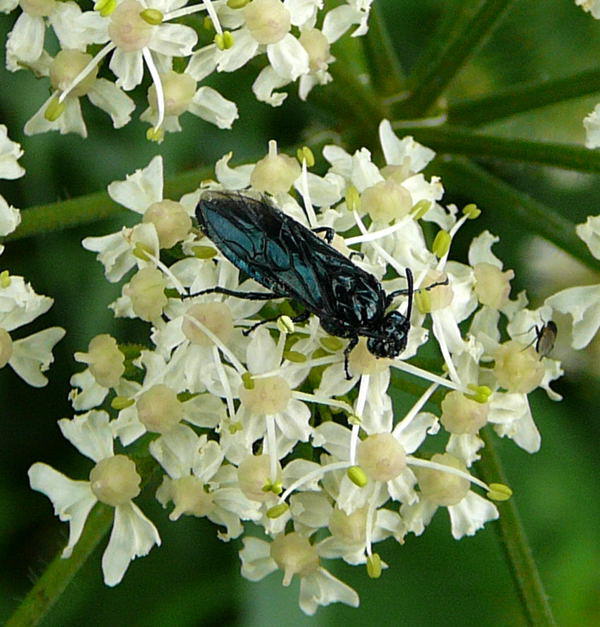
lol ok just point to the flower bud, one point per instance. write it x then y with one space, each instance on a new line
275 173
386 201
267 20
462 415
517 370
104 359
147 293
492 286
443 488
269 395
114 480
66 66
158 409
216 317
294 555
254 473
382 457
171 221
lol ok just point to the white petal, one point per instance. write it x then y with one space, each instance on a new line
591 123
480 250
133 535
470 515
402 487
10 152
334 438
262 354
418 516
583 303
127 427
589 232
72 500
10 217
256 559
64 19
310 509
414 433
338 21
33 355
400 151
212 107
232 178
107 96
25 42
208 460
176 451
128 67
202 63
322 588
140 189
303 11
90 433
511 416
243 49
265 85
464 447
288 57
92 393
173 40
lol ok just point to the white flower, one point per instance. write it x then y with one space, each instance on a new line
591 123
590 6
589 232
113 481
10 153
10 218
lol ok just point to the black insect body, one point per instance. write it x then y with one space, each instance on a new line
545 337
291 261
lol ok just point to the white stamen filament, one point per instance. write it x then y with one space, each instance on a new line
321 400
311 476
363 229
415 409
442 262
280 347
235 362
303 188
444 348
271 446
167 272
371 236
424 463
86 70
224 382
429 376
160 93
370 522
361 401
196 8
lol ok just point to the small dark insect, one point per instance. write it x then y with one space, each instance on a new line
545 337
291 261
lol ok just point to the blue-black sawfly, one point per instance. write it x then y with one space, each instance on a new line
292 262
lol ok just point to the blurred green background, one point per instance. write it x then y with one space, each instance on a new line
193 579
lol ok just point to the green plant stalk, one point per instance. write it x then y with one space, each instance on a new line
520 98
512 537
89 208
384 66
439 66
466 141
493 194
57 576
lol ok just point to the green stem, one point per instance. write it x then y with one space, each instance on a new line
512 536
506 102
465 141
493 194
385 70
446 58
73 212
60 572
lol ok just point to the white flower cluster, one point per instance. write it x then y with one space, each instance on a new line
147 33
28 356
229 416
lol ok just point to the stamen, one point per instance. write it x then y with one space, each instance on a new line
416 408
424 463
167 272
196 8
371 236
311 476
87 69
322 400
271 446
160 93
361 401
429 376
303 188
370 522
444 348
224 381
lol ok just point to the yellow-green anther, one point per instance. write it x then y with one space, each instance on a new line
4 278
142 252
54 110
421 208
234 427
295 357
374 566
121 402
353 419
155 134
499 492
276 487
224 40
441 244
306 154
105 7
423 301
208 23
472 211
154 17
352 198
277 510
204 252
358 476
331 343
248 381
285 324
237 4
481 393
